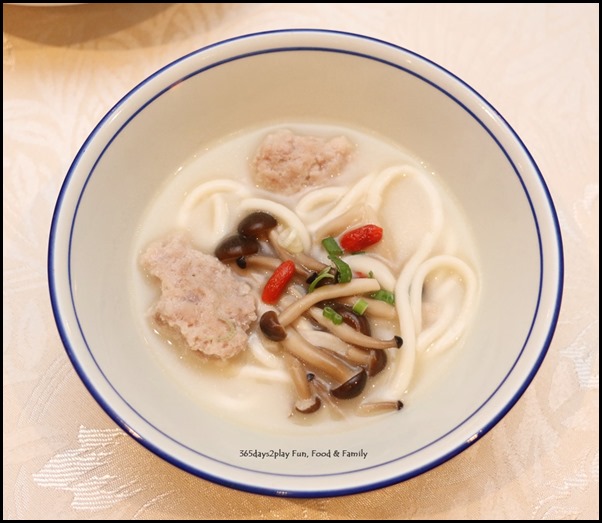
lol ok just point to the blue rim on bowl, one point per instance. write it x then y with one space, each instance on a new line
64 308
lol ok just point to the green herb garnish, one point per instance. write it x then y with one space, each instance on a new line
383 295
332 315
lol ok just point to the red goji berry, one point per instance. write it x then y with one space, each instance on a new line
358 239
278 281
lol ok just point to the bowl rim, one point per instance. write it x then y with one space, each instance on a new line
72 351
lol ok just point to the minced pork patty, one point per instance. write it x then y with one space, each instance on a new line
201 298
287 163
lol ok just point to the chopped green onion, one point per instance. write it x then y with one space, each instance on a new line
383 295
360 306
370 274
324 273
331 246
332 315
343 270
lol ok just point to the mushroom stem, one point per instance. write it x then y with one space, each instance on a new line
380 407
350 335
328 292
351 379
324 394
374 361
307 401
271 263
378 308
309 263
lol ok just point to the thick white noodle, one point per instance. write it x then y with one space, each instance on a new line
365 263
403 365
221 215
447 332
203 191
343 204
417 287
439 296
442 262
211 193
359 213
269 367
447 314
263 355
263 374
306 207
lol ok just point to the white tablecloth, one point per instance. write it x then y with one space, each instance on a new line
64 67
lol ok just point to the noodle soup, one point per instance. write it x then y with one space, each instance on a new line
425 261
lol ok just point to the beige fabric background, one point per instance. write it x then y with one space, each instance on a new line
64 67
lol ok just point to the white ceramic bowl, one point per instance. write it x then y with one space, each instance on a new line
287 76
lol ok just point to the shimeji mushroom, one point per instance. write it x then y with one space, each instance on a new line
329 292
347 369
356 321
375 308
257 225
269 325
300 258
351 380
260 225
373 360
307 400
350 335
379 407
236 246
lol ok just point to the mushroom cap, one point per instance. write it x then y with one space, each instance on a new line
354 320
235 246
257 225
378 362
269 325
352 388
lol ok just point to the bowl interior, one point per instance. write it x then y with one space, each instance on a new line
306 77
